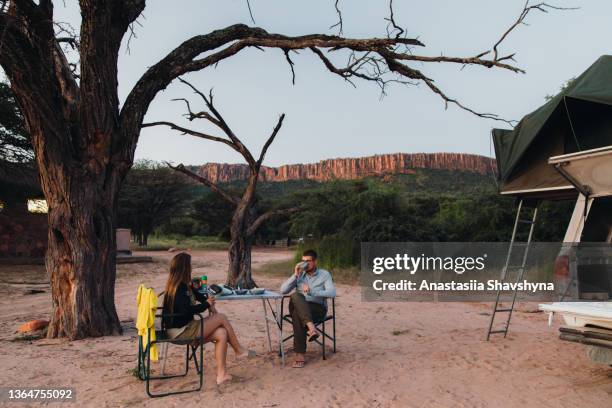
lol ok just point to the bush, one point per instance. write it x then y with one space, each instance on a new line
165 242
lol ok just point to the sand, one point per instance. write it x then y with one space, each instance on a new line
389 354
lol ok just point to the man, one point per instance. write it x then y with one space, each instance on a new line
308 303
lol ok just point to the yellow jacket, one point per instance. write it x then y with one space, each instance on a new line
147 306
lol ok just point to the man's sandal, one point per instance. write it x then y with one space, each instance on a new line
313 337
298 364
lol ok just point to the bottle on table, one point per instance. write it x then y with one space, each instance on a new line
203 284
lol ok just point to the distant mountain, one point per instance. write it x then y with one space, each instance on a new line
353 168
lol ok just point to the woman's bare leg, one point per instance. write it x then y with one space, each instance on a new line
219 337
220 320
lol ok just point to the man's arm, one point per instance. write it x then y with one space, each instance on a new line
330 288
289 285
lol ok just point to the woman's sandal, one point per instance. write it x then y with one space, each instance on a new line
298 364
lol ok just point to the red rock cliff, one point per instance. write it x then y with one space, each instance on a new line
353 168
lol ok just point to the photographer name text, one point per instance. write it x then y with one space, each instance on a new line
472 285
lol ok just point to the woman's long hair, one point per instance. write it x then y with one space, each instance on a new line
180 272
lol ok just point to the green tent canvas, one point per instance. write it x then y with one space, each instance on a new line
578 118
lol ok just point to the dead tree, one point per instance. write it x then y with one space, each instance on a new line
84 139
245 220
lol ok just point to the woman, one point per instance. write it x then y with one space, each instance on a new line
180 298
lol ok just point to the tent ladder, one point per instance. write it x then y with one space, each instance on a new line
522 218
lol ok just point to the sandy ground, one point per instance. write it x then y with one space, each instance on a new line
436 358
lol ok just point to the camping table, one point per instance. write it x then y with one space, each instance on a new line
275 316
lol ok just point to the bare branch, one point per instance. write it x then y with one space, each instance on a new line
266 216
345 73
340 22
221 123
227 196
270 140
66 33
543 7
457 60
391 20
291 64
355 65
416 74
190 113
250 11
73 42
190 132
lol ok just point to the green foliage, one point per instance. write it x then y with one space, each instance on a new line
15 143
563 87
183 224
151 195
337 217
553 218
270 190
213 214
479 218
181 242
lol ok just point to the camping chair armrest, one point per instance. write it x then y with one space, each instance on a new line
283 299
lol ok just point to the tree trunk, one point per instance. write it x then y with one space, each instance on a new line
240 246
240 263
81 262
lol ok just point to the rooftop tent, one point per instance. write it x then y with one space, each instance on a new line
534 177
577 119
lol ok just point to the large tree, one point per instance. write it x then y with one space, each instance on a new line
84 142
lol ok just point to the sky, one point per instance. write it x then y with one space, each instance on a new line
325 116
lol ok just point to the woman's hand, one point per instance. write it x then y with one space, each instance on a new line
211 301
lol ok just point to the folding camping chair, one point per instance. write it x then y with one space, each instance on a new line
144 356
319 325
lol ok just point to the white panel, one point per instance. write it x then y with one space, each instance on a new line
592 168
